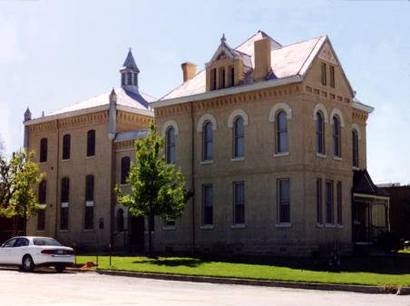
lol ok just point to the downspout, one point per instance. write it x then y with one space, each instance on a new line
111 131
193 176
57 180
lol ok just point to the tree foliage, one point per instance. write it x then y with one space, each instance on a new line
157 188
18 176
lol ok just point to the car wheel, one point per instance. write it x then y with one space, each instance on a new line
27 264
60 268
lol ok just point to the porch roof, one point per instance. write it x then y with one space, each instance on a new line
363 184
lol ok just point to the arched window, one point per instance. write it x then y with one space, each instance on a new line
336 137
170 145
43 150
42 192
125 169
355 148
207 141
120 220
238 137
320 133
91 143
281 132
66 146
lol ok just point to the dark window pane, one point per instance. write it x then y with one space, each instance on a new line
221 78
42 192
323 73
125 169
284 200
320 133
120 220
355 148
66 146
207 204
207 141
65 190
91 143
339 203
336 137
319 201
43 150
281 133
89 188
89 217
213 79
332 76
239 138
64 212
41 220
329 202
239 202
170 145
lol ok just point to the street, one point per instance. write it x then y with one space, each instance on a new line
49 288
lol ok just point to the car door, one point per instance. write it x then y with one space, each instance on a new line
19 250
5 251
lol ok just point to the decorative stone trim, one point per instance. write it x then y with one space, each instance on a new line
278 107
168 124
322 108
203 119
236 113
337 112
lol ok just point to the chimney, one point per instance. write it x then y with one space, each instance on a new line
188 71
262 58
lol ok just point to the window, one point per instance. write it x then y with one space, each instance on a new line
10 243
170 222
207 204
66 146
42 192
319 201
329 202
339 203
129 78
336 137
213 79
125 169
323 74
41 220
283 200
221 78
43 150
120 220
89 216
170 145
281 132
89 188
238 138
355 148
21 242
122 79
64 205
332 76
231 76
238 203
320 133
207 141
91 143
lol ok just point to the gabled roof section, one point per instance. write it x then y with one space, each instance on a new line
363 184
130 62
225 49
126 101
288 62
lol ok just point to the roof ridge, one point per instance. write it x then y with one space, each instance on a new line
302 41
250 37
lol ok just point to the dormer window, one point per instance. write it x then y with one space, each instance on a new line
213 79
231 76
221 78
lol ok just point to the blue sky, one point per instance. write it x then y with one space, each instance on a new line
55 53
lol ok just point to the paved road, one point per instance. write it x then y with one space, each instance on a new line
81 289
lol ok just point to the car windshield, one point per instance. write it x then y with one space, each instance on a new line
46 241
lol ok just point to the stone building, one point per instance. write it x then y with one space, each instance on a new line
270 138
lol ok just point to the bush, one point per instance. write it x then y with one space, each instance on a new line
389 242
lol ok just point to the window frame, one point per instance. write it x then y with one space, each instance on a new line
41 220
320 133
43 150
337 136
319 201
170 145
329 203
125 169
323 74
42 192
332 80
355 148
239 213
91 143
66 152
207 217
207 141
281 130
238 138
339 203
283 202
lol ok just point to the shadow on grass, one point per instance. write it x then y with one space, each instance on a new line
174 262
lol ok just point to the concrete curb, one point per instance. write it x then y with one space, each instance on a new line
266 283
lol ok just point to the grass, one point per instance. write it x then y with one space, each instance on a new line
363 271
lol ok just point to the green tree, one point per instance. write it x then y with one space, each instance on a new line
157 188
18 176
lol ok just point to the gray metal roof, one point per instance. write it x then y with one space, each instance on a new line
131 135
130 62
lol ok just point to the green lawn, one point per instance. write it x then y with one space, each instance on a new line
358 271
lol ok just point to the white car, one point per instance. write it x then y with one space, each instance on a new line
29 252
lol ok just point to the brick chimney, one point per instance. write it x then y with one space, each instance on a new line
262 58
188 71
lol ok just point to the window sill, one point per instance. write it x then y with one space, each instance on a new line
355 168
89 203
43 163
327 225
64 230
169 228
340 226
236 159
207 227
281 154
124 185
88 230
320 225
65 160
238 226
206 162
40 231
337 158
320 155
283 225
90 157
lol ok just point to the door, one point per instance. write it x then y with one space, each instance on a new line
6 251
19 249
136 234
